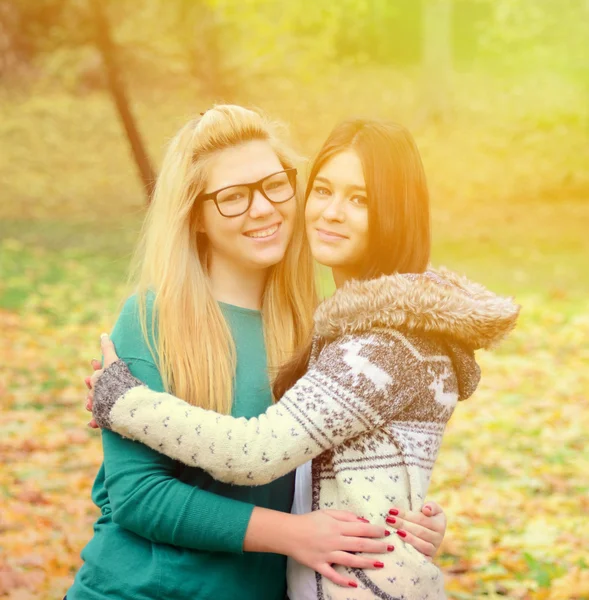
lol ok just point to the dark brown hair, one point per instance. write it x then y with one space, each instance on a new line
398 209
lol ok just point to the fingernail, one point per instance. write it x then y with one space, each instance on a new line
390 548
363 520
402 533
378 564
103 335
352 584
428 507
387 533
393 512
391 520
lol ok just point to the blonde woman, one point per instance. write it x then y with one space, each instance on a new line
224 289
369 398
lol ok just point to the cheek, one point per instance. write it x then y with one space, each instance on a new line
216 227
288 210
312 209
208 218
361 229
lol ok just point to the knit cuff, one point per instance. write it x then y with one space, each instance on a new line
115 381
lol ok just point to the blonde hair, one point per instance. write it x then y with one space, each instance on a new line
193 346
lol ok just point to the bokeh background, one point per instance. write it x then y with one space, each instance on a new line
496 93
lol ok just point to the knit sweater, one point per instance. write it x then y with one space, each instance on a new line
170 531
391 357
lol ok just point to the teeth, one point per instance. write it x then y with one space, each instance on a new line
264 233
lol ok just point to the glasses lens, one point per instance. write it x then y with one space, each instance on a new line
233 201
279 187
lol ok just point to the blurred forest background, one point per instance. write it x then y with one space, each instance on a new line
496 93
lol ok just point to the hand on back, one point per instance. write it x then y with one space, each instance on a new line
110 357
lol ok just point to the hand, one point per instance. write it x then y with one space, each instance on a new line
110 356
323 538
424 530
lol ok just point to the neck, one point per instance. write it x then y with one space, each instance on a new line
236 285
341 275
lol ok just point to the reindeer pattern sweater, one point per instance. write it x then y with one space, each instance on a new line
391 357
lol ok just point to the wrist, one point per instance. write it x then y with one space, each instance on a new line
270 531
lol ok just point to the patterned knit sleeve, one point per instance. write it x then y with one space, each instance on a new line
357 384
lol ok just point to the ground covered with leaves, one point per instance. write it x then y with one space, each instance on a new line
510 209
511 475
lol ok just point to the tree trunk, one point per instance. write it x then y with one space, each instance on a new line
437 56
108 52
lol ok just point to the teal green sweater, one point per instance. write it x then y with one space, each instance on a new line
170 531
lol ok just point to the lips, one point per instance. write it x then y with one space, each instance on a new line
263 233
328 235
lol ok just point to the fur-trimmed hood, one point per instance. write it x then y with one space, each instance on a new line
437 301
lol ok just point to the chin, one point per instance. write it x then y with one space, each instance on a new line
269 259
326 258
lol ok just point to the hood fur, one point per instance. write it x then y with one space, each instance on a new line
439 302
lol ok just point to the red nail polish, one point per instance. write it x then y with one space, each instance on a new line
387 533
402 533
390 548
391 520
352 584
393 512
363 520
378 564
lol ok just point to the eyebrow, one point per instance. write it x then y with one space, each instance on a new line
360 188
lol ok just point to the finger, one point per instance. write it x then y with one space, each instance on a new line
344 515
89 404
431 509
418 518
367 545
95 377
396 511
87 382
426 548
355 561
426 534
363 530
96 364
108 350
330 573
93 424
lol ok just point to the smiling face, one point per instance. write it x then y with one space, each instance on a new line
258 239
336 215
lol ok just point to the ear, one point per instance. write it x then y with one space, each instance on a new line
198 223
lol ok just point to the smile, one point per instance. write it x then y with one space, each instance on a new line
330 236
263 233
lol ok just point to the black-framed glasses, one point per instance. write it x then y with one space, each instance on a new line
235 200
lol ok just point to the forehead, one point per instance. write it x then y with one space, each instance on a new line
344 169
246 163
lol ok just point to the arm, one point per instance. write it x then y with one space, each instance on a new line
147 500
319 412
145 495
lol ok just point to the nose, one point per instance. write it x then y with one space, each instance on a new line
261 207
334 211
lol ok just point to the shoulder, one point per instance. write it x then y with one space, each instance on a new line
384 357
379 345
133 333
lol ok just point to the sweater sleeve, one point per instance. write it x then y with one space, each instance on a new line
145 495
355 385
